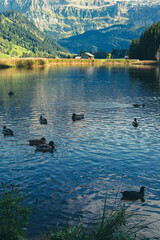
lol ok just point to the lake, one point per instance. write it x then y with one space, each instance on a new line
103 152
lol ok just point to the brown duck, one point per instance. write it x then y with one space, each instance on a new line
37 142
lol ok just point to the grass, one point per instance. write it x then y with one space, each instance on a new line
3 55
19 50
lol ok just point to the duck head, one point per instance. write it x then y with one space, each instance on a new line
51 143
142 189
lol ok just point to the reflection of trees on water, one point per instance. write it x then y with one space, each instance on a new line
148 76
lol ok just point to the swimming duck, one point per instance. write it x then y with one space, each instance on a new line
77 116
10 93
7 131
46 147
135 123
36 142
138 105
42 120
133 195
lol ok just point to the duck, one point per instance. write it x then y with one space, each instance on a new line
77 116
10 93
42 120
135 123
133 195
138 105
36 142
7 131
46 147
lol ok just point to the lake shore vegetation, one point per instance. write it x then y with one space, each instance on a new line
114 224
41 62
117 223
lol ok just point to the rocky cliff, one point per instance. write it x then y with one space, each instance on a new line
65 18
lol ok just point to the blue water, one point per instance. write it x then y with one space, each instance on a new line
102 152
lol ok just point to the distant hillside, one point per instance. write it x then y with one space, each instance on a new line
117 36
19 37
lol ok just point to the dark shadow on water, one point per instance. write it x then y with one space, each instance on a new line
133 200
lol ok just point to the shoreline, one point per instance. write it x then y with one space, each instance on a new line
42 62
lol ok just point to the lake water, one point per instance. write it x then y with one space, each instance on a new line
102 152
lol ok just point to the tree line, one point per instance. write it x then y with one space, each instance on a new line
146 47
102 54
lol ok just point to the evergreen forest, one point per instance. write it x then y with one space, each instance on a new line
146 47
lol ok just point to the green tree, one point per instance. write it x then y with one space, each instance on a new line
134 49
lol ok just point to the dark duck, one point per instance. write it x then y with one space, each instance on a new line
7 131
77 116
46 147
133 195
138 105
42 120
11 93
135 123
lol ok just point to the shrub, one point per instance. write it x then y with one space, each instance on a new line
13 215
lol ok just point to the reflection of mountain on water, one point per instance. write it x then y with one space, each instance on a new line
24 85
148 76
59 91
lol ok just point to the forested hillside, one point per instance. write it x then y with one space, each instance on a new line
146 47
118 36
21 38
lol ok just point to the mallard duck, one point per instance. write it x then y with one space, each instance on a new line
10 93
138 105
7 131
36 142
135 123
133 195
42 120
77 116
46 147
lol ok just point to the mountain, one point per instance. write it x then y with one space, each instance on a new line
21 38
66 18
89 24
115 37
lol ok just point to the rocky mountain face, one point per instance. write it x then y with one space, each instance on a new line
66 18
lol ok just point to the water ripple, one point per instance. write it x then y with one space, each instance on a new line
103 152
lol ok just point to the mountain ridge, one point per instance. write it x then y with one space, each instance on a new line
66 18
